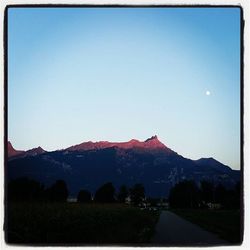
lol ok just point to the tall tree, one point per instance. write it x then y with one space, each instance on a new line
237 195
137 193
58 191
105 193
184 194
207 191
122 194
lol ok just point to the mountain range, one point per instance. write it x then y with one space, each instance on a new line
13 153
90 164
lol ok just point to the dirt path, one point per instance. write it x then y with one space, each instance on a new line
174 230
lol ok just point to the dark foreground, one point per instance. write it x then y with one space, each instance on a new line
171 229
224 223
72 223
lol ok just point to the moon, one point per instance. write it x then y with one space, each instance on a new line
208 92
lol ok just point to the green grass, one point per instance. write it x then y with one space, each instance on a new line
72 223
224 223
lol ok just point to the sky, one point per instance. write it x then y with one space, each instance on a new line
96 74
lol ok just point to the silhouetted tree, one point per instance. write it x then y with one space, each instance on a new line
237 195
105 193
184 194
228 198
25 189
137 193
57 192
207 191
220 193
84 196
122 194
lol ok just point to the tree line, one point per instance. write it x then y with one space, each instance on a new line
187 194
25 189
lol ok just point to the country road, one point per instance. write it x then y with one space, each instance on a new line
171 229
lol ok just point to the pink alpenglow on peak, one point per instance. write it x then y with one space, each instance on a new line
13 153
152 143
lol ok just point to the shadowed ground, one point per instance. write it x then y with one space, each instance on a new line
78 223
173 230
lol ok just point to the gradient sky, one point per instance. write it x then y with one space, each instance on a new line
80 74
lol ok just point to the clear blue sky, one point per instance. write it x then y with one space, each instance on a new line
80 74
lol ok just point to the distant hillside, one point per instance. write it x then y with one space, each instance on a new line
13 153
90 164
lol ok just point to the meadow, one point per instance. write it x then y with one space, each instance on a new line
74 223
225 223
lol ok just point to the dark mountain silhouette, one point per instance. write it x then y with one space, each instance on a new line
13 153
35 151
213 164
91 164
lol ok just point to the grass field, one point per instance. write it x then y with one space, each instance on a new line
225 223
72 223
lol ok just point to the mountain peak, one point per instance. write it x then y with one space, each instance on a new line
154 142
150 144
10 145
213 163
133 140
207 160
154 137
12 151
35 151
